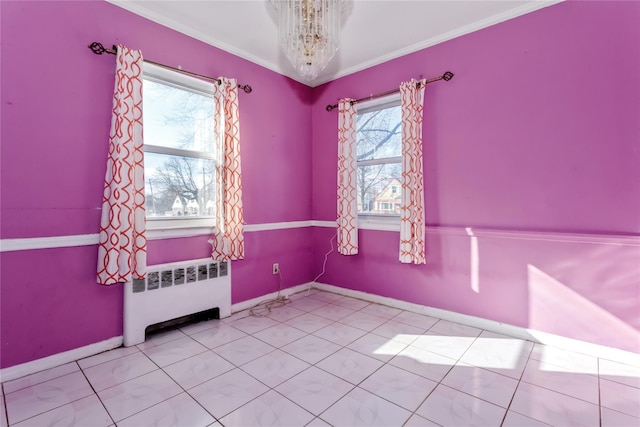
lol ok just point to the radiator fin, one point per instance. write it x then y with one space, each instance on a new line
172 291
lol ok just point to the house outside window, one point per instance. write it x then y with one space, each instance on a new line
388 201
180 170
379 161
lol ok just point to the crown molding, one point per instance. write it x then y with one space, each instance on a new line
198 35
137 9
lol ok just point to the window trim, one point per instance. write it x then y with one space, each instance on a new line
163 226
170 151
381 103
379 221
382 161
178 80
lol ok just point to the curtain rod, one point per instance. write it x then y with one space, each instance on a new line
446 77
99 49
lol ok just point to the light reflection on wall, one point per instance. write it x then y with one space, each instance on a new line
554 306
474 251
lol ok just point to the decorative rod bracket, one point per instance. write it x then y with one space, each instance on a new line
446 77
99 49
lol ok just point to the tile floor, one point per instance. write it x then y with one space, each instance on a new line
329 360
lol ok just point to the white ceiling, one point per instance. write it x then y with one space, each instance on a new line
374 31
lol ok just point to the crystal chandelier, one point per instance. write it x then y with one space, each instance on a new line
309 33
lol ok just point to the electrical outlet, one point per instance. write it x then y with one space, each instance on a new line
276 268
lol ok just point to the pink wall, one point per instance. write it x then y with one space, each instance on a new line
56 102
538 131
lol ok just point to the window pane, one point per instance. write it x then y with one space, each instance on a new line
177 118
379 134
179 186
378 189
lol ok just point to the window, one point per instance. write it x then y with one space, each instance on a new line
379 157
180 171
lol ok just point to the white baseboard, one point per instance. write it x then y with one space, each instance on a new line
244 305
18 371
28 368
571 344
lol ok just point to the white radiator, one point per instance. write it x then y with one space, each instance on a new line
174 290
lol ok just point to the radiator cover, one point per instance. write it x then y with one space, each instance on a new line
175 290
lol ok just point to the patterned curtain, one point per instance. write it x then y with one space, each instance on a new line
122 251
347 206
412 247
228 240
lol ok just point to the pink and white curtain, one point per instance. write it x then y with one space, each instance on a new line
122 250
228 239
412 235
347 201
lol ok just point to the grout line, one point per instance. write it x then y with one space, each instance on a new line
130 379
96 394
270 388
341 397
217 420
439 382
562 392
59 406
518 385
37 373
4 402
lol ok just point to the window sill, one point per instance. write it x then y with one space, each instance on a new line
379 222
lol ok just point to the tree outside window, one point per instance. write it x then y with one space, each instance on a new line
379 161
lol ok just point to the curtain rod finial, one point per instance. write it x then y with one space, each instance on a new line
97 48
447 76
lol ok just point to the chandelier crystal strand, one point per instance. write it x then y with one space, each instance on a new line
309 33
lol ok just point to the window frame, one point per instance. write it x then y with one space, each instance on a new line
185 226
372 220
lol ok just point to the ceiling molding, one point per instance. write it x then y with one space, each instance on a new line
198 35
138 8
